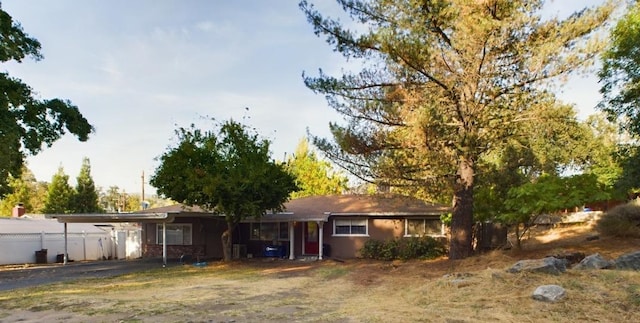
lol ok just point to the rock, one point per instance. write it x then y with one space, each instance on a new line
549 265
628 261
595 261
571 257
549 293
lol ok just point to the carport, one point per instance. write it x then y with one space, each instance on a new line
157 218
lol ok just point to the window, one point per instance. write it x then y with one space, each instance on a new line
350 227
177 234
270 231
423 227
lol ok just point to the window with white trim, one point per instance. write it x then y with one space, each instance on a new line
269 231
423 227
177 234
350 227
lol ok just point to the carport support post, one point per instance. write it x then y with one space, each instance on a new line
164 244
320 234
64 259
291 226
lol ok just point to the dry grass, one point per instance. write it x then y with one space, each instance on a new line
476 289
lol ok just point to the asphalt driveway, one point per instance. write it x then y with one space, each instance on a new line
12 278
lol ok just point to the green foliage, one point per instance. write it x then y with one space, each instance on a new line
229 171
620 73
59 194
28 122
548 194
627 184
405 249
21 193
442 84
621 221
85 198
313 176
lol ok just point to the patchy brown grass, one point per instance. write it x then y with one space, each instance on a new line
477 289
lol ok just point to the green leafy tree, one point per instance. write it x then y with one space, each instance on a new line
313 176
549 194
442 84
26 190
604 159
27 121
229 171
22 189
112 200
85 198
620 72
562 144
59 194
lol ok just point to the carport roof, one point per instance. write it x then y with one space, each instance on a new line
111 217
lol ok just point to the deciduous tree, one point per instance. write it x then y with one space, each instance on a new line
620 72
27 122
228 171
442 84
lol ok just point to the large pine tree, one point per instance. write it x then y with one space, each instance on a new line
442 84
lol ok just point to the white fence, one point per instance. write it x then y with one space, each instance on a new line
20 248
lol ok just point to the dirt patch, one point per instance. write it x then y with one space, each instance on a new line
476 289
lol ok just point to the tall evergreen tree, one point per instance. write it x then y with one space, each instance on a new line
85 198
313 175
59 194
442 84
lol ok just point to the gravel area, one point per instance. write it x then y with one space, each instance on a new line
14 277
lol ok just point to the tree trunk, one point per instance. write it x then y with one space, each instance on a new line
461 246
227 240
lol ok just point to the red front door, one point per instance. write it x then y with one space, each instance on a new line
311 238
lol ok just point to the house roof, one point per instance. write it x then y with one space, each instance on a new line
370 205
314 208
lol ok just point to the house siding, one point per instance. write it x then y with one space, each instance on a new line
349 246
205 239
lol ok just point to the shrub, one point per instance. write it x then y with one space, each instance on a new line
621 221
410 248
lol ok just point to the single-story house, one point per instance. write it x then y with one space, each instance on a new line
341 224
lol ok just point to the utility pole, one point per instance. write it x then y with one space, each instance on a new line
142 187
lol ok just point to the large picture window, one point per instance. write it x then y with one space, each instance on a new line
270 231
423 227
177 234
350 227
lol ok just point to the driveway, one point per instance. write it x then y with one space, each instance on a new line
11 278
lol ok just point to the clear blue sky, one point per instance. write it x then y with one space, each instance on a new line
139 69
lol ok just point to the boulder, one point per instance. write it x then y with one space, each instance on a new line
549 293
628 261
595 261
571 257
549 265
